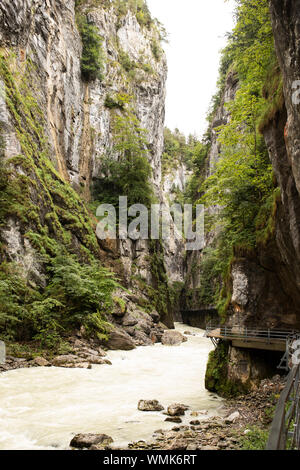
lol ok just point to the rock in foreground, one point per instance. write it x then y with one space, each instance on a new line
232 417
172 338
173 419
119 340
150 405
85 441
177 409
41 362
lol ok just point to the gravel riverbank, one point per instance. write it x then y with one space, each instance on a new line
244 418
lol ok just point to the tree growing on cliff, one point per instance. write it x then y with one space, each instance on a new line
92 58
126 171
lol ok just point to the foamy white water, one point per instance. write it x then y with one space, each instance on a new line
42 408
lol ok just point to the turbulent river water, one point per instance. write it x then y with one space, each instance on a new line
42 408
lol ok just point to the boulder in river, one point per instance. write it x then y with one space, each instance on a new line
141 339
61 361
150 405
195 422
70 361
177 409
97 360
172 338
119 340
41 362
85 441
232 418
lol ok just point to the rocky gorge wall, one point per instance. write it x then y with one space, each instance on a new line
191 298
265 285
56 127
266 288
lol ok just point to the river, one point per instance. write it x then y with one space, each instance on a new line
42 408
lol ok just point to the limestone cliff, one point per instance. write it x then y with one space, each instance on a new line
266 289
192 296
56 127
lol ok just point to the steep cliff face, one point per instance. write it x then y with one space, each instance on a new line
192 298
265 285
46 33
174 181
221 117
266 289
78 124
56 128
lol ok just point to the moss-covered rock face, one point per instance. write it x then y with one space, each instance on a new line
61 95
35 198
217 374
234 371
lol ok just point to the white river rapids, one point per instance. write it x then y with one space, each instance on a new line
42 408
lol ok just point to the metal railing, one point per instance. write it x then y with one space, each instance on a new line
285 430
237 332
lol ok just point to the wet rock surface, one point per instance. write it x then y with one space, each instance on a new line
86 441
172 338
222 432
177 409
120 340
150 405
83 354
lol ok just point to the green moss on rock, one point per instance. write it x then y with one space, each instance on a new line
216 377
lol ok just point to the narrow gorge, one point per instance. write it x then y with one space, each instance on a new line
90 325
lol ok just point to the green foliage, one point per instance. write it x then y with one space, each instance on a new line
255 439
13 293
127 64
76 294
216 377
178 150
45 318
126 171
198 165
32 191
51 216
84 290
160 293
92 58
212 268
273 95
156 49
118 101
139 7
181 151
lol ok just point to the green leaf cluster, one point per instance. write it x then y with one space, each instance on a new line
92 59
75 294
240 191
126 170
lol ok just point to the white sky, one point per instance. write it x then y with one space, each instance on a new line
196 35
